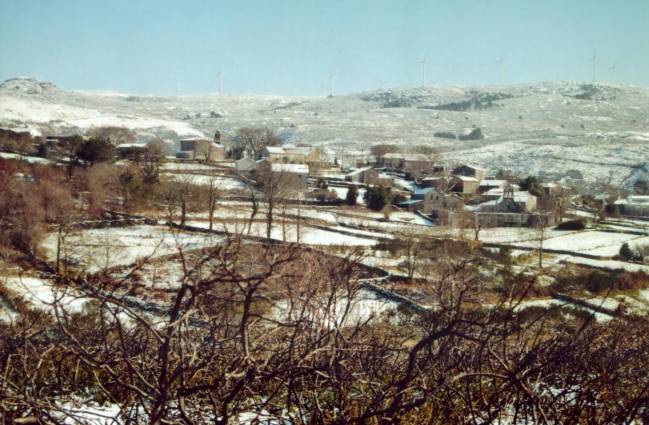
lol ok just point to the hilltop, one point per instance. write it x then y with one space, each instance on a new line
583 132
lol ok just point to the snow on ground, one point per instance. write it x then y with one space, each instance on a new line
165 275
313 236
589 242
342 193
402 183
361 232
391 225
581 213
595 140
319 214
509 235
307 235
609 303
606 244
366 306
22 109
41 293
30 159
89 414
606 264
97 249
408 217
644 295
186 166
221 182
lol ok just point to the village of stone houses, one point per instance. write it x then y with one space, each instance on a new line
266 258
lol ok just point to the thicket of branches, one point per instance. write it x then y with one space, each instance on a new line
270 330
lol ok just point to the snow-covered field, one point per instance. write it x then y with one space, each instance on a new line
185 166
606 264
37 111
221 182
364 307
593 242
98 249
40 294
307 235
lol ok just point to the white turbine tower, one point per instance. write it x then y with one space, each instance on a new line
501 69
423 63
332 76
612 69
220 78
594 60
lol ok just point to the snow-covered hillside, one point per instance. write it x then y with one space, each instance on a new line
588 132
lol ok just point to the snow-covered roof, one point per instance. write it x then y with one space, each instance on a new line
481 206
195 139
131 145
494 183
634 200
411 202
415 157
423 191
359 171
275 149
467 179
519 195
289 168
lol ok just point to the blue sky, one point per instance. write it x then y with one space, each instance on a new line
291 47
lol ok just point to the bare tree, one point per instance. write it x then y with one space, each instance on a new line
152 157
116 135
541 222
212 198
378 151
256 139
276 186
412 252
480 221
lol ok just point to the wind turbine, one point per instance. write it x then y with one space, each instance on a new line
332 76
613 74
423 63
501 69
220 77
594 59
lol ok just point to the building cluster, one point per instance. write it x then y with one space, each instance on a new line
202 149
467 191
445 194
292 163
